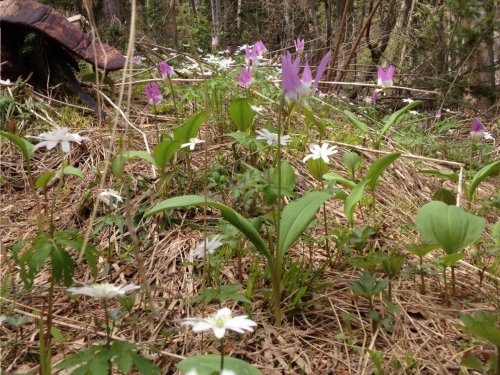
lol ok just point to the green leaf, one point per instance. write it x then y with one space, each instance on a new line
190 128
119 160
210 364
287 178
392 265
473 362
26 147
78 358
72 171
56 334
448 175
296 216
144 365
164 152
336 178
241 114
495 233
449 226
396 116
43 180
351 160
62 266
445 196
353 199
451 259
482 175
311 120
317 168
421 250
378 166
368 285
484 325
230 215
355 121
122 354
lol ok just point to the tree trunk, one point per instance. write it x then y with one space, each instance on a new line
328 16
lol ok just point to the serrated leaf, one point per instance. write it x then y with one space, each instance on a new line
144 365
480 176
56 334
378 167
62 266
241 114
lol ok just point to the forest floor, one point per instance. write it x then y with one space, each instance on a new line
328 331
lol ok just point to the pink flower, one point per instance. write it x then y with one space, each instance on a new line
477 130
137 59
299 45
384 81
215 41
153 94
250 56
245 77
296 88
165 69
259 48
438 114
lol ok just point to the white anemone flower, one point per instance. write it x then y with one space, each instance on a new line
272 138
408 100
107 194
3 318
487 136
414 113
103 291
221 321
211 244
192 143
60 136
323 152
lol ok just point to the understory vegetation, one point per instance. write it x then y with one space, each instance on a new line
258 202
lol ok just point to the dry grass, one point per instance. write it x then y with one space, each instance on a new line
424 337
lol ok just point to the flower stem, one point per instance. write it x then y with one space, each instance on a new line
221 355
108 334
422 284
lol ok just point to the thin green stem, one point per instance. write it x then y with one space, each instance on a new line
221 354
108 334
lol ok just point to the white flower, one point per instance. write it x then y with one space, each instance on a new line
3 318
192 143
5 82
414 113
60 136
220 322
227 372
257 109
408 100
488 136
322 152
272 138
213 244
192 372
104 291
106 194
367 99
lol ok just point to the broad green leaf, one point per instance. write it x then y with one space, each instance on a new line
356 122
332 176
364 262
230 215
119 160
351 160
164 152
311 120
62 266
190 128
378 166
495 233
353 199
449 226
396 116
473 362
210 364
317 168
241 114
26 147
296 216
287 178
482 175
422 250
392 265
72 171
448 175
445 196
144 365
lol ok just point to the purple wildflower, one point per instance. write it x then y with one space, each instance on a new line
250 56
165 69
153 94
259 48
384 81
137 59
299 45
245 77
215 41
296 89
438 114
477 130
